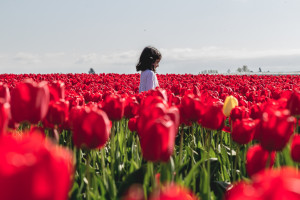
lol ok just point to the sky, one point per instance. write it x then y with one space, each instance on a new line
72 36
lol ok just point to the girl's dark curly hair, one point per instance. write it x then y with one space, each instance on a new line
148 57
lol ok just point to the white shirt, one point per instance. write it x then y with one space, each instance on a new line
148 80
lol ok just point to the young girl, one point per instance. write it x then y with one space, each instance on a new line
148 62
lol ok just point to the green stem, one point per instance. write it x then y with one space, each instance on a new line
112 149
193 144
201 136
221 139
151 174
181 146
268 163
231 149
235 162
87 173
217 140
208 164
193 135
138 149
103 165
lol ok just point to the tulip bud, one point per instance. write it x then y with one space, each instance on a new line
293 103
57 90
58 112
229 104
132 124
4 115
158 139
191 108
91 127
173 191
295 148
280 183
30 101
4 92
38 168
243 130
131 107
213 116
257 159
114 107
275 129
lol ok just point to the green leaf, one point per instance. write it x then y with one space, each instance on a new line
285 157
192 173
74 191
112 190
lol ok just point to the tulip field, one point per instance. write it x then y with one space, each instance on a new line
94 136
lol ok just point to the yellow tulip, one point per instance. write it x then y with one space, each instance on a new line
229 104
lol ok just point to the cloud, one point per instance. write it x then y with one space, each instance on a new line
87 59
243 1
218 53
124 57
120 57
27 58
54 54
174 60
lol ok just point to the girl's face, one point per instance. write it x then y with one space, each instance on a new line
156 63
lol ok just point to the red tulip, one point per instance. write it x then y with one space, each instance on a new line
96 97
176 88
58 112
293 103
275 129
132 124
30 101
75 101
174 100
157 110
256 111
173 192
295 148
191 108
151 100
157 139
114 107
131 107
257 159
4 92
153 108
57 90
213 116
275 184
196 91
173 113
4 115
34 168
160 93
91 127
239 192
243 130
239 112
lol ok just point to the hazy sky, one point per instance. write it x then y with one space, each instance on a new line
72 36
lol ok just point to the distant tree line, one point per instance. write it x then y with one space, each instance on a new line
243 69
92 71
210 71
